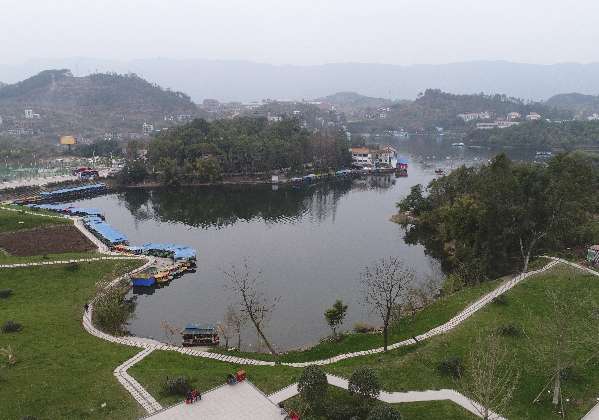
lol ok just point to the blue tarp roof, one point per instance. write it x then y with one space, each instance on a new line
178 251
73 190
106 231
403 161
199 328
52 207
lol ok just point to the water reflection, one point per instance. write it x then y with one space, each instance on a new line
220 206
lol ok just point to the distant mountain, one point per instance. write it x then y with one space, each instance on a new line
577 103
248 81
89 105
354 100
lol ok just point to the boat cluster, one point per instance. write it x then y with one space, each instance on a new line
176 259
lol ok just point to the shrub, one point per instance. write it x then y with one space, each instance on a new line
5 293
452 284
339 411
500 300
178 385
72 267
363 327
510 330
383 412
451 366
11 326
365 383
112 310
312 386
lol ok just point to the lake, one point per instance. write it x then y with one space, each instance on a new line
309 244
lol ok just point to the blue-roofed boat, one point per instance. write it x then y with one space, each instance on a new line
143 282
200 335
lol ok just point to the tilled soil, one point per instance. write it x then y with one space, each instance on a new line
45 240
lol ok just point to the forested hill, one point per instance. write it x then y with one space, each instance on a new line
435 108
581 105
542 135
89 104
203 150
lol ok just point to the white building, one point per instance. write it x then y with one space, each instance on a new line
469 116
274 118
533 116
594 117
29 114
513 116
147 128
366 156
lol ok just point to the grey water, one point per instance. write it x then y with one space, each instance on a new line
309 244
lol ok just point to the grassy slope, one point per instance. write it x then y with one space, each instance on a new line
204 374
430 410
9 221
64 369
438 313
414 368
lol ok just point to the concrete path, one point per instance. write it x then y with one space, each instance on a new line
138 392
396 397
240 401
441 329
58 262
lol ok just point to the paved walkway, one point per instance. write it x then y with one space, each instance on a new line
395 397
240 401
138 392
58 262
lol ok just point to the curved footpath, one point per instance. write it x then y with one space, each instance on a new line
149 345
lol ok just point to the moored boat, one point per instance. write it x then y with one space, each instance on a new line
199 335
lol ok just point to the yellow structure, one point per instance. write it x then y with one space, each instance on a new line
68 140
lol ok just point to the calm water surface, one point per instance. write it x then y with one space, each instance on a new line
310 245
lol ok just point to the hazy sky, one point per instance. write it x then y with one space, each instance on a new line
303 31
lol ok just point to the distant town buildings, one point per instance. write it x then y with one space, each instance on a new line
30 115
273 118
594 117
533 116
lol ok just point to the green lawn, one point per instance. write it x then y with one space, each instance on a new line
438 313
433 410
204 374
62 372
414 367
11 221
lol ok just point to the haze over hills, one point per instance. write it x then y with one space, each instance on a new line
249 81
577 103
61 103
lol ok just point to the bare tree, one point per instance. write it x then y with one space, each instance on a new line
253 303
232 325
384 285
490 377
169 330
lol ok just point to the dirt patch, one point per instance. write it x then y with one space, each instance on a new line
45 240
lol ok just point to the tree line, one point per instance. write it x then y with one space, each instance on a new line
488 221
207 151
